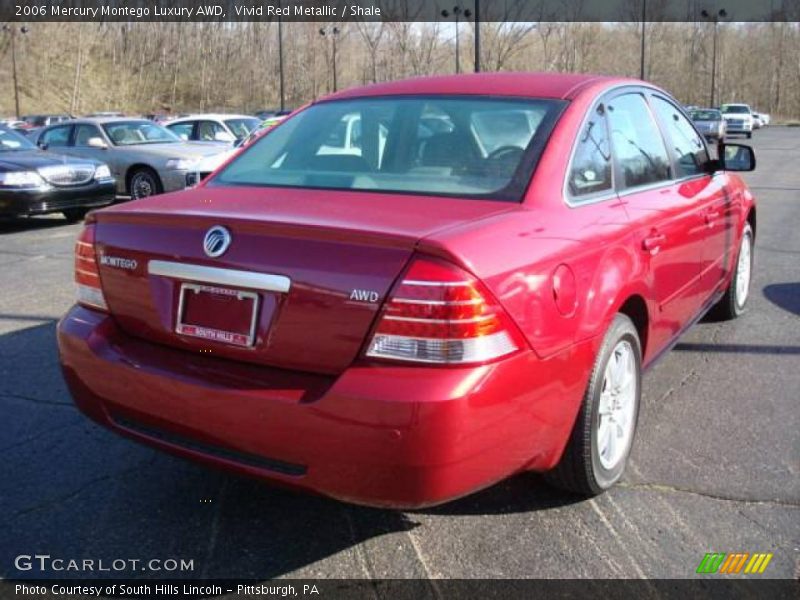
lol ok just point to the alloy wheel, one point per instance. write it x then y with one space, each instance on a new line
615 420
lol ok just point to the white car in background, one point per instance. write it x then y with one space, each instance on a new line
219 128
738 119
205 166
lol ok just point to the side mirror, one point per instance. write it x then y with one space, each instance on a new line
737 157
42 145
224 136
184 136
96 142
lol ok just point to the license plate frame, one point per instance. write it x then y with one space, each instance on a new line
232 338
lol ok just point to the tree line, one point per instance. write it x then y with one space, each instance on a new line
146 67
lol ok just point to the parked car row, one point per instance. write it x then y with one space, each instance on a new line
160 153
728 119
143 157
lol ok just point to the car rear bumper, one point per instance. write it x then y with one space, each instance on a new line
380 435
19 203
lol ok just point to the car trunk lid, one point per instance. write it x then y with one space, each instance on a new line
310 267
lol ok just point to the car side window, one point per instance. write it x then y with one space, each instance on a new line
57 136
182 130
636 142
687 146
591 164
83 133
207 131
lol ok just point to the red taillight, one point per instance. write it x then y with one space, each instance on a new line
439 313
87 275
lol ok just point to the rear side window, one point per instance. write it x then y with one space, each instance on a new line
470 147
636 141
56 137
590 172
687 146
182 130
207 131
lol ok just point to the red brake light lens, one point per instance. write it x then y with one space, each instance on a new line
87 275
439 313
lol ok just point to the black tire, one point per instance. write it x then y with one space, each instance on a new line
144 182
73 215
730 305
580 469
749 134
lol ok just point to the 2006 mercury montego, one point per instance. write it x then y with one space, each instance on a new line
472 290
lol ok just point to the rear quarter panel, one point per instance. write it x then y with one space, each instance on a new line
518 253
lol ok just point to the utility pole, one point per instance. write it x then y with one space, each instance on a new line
457 12
280 63
644 23
720 14
477 36
333 32
12 30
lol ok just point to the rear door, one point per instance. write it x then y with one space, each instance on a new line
715 207
208 131
667 229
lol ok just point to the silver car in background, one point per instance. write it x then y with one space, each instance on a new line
710 123
144 157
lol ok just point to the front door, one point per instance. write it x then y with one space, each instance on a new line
714 206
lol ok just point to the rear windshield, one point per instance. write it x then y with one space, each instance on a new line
706 115
735 108
454 146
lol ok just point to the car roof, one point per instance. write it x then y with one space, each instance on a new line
104 120
529 85
217 116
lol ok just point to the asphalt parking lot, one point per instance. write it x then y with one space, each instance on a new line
715 467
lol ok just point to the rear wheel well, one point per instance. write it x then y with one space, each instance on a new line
751 218
635 309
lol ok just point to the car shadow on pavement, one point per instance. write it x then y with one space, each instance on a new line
784 295
30 224
71 489
521 493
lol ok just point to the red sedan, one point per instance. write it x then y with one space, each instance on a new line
412 290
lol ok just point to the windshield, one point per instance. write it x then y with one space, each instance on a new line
706 115
129 133
13 142
735 108
445 145
242 127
